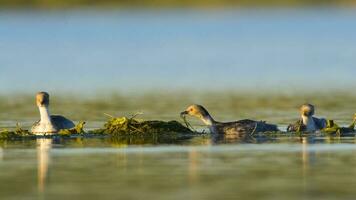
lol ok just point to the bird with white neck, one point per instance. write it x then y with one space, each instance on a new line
239 128
48 124
307 122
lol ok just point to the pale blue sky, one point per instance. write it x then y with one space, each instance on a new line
135 50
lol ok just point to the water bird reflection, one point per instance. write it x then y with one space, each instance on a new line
44 145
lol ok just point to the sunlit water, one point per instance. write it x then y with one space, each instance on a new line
95 169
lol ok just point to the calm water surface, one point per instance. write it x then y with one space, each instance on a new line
193 169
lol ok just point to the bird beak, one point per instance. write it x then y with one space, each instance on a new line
182 114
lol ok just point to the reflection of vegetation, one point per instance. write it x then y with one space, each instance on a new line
149 139
168 3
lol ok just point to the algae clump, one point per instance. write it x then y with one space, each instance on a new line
78 129
333 128
5 134
18 133
22 133
131 126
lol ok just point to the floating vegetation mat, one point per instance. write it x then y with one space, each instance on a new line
134 129
17 133
331 129
20 133
114 127
132 126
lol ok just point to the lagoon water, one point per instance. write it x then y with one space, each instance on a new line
197 169
117 51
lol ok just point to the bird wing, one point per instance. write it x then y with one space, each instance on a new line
245 126
61 122
320 123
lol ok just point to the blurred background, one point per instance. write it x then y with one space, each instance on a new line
166 54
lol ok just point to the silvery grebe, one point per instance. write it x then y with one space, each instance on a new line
307 122
49 124
239 128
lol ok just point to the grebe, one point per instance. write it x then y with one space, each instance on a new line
238 128
49 124
307 122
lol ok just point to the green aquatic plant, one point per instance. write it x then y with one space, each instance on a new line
113 127
334 129
22 132
17 133
6 134
78 129
133 126
187 124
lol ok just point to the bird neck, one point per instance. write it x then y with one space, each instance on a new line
308 121
208 120
45 115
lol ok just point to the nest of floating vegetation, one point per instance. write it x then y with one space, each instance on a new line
133 126
331 129
23 133
124 126
120 126
17 133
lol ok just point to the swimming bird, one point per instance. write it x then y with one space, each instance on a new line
239 128
307 123
48 124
